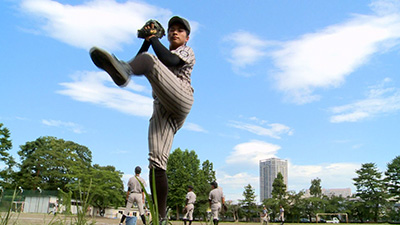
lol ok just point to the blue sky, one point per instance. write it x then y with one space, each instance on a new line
313 82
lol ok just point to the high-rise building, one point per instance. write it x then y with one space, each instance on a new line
269 169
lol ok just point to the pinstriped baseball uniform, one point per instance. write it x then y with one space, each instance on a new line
172 93
173 99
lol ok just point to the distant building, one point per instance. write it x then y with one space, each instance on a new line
269 169
344 192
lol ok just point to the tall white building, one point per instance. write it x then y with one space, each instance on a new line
269 169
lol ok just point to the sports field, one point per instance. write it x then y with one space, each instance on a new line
44 219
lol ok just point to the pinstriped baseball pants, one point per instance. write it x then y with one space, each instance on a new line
173 99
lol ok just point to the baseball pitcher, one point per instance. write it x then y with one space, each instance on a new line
169 74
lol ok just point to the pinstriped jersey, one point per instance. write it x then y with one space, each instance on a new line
187 55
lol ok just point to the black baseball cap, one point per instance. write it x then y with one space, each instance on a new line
190 186
177 19
215 184
138 170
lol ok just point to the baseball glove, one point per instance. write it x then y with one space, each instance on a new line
151 27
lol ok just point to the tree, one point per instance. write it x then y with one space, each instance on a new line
183 170
371 190
393 178
335 204
52 163
356 210
273 205
234 209
279 188
203 188
5 146
315 205
106 186
248 204
296 204
392 181
315 189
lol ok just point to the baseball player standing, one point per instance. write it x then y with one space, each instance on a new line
169 74
281 214
216 200
135 193
189 207
264 216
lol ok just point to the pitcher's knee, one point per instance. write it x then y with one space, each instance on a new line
142 63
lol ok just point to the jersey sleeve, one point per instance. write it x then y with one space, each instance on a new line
185 53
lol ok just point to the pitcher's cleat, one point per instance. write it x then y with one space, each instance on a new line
118 70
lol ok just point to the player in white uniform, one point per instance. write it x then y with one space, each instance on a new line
169 74
189 207
264 216
281 214
216 200
135 193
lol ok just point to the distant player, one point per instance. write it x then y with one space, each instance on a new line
216 200
189 207
281 214
135 193
264 216
169 74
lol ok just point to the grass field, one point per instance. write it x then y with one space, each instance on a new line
44 219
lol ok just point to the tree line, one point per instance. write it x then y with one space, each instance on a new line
50 163
55 164
377 198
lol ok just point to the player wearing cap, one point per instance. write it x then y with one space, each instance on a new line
135 193
169 74
216 200
189 207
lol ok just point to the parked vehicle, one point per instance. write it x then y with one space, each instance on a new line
334 220
304 220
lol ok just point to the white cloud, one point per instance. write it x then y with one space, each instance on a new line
384 7
250 153
105 23
332 175
244 53
275 130
194 127
92 87
233 185
76 128
379 100
323 59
